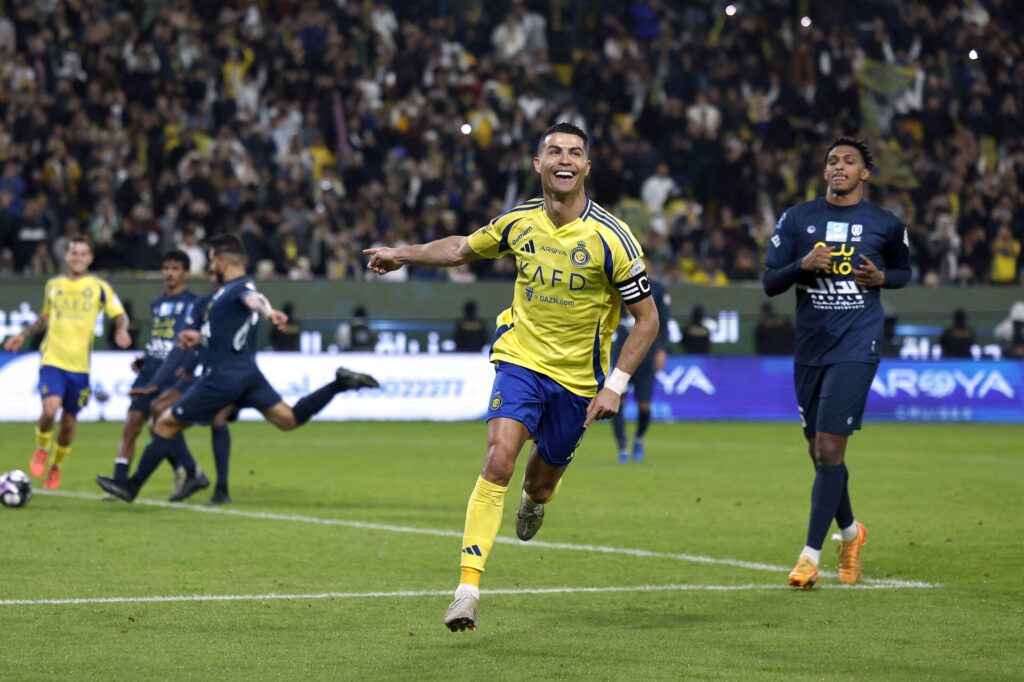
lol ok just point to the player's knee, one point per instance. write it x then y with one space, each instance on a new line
498 469
827 453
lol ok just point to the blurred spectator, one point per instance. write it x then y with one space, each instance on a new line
1011 332
1005 254
171 114
190 245
471 334
774 334
956 341
696 337
655 191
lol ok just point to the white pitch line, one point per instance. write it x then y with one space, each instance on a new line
601 549
418 593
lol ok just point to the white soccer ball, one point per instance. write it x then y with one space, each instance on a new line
15 488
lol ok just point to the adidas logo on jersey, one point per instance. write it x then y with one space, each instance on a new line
528 247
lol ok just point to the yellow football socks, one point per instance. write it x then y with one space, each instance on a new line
43 440
483 518
60 453
558 486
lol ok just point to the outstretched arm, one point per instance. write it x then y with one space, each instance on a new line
447 252
261 304
14 343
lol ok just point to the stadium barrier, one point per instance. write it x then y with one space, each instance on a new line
451 387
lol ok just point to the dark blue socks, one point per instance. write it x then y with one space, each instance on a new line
829 483
221 440
643 419
844 513
314 402
619 427
159 448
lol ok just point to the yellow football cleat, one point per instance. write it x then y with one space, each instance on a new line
805 574
849 556
38 465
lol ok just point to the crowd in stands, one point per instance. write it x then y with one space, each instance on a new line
317 128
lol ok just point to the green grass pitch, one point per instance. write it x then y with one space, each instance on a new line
338 557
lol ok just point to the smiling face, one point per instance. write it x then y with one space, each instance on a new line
845 170
78 258
562 164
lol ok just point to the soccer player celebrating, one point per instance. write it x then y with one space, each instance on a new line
230 376
71 304
839 251
643 378
551 348
170 312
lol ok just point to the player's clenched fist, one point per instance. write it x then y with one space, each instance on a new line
818 258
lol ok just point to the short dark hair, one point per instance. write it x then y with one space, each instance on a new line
228 245
860 145
569 129
178 256
82 239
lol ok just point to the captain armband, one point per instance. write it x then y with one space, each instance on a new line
636 288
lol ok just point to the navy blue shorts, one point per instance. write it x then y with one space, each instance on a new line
72 387
553 414
832 397
214 391
141 403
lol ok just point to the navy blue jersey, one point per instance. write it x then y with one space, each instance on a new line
170 315
229 326
184 358
836 319
626 321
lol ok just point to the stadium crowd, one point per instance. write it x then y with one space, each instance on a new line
317 128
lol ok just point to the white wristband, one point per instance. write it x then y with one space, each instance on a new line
618 381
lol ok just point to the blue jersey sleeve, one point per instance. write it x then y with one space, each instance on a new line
782 264
896 255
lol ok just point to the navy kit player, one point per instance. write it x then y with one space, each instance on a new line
170 312
839 251
643 378
174 377
231 376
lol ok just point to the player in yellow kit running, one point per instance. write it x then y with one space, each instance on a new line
71 304
551 348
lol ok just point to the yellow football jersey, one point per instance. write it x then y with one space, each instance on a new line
567 293
73 306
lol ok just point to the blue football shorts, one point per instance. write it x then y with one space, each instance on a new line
553 414
72 387
831 398
215 390
141 403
